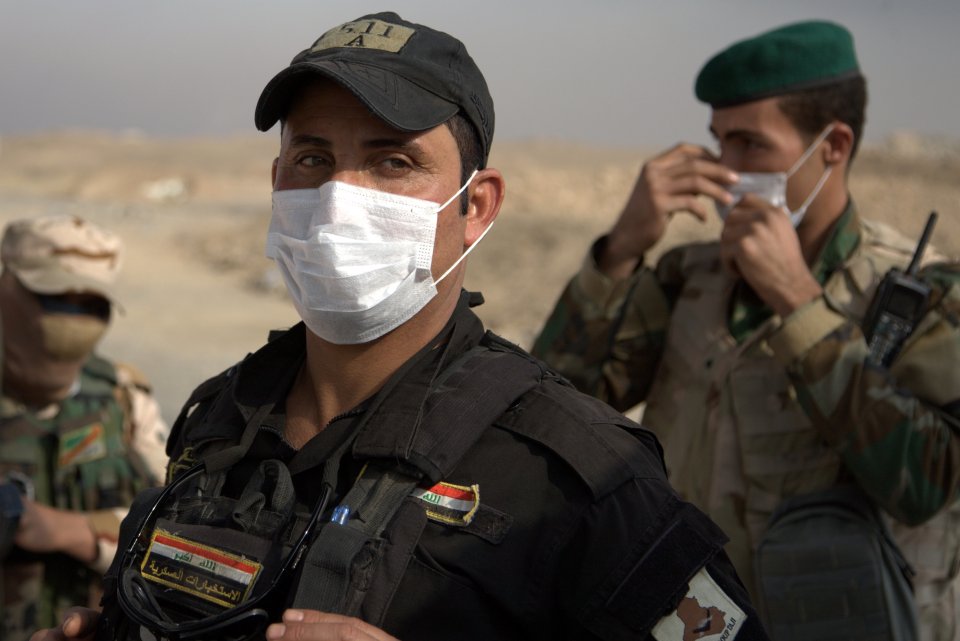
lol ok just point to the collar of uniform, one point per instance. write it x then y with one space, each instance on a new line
281 357
390 429
844 238
10 408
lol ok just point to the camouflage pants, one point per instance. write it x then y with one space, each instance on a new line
32 599
22 592
933 550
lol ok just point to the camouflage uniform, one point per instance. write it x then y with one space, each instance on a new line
752 409
80 454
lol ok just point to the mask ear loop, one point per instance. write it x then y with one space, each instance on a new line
816 189
797 215
464 254
459 191
475 243
809 152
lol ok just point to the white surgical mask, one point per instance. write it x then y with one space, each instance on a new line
356 261
772 186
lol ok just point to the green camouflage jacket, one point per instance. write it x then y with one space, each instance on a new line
607 338
77 456
752 408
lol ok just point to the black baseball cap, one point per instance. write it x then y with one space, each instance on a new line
411 76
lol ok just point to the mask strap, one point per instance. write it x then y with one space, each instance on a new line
816 190
477 242
464 254
813 146
459 191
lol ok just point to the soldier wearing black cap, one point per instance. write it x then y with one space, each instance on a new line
387 469
749 351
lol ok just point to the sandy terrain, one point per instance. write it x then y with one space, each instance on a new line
198 293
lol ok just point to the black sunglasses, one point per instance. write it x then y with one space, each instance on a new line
79 304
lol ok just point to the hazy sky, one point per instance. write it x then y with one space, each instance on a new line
604 71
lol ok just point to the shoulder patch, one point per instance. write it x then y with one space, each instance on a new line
705 613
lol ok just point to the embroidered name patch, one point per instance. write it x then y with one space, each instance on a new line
706 613
82 445
199 570
448 503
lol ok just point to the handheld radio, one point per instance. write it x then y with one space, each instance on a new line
897 306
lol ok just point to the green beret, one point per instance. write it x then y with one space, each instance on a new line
798 56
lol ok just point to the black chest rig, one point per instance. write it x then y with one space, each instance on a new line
195 563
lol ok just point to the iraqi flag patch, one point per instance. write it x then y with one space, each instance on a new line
200 570
448 503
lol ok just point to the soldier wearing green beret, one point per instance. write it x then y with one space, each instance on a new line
748 351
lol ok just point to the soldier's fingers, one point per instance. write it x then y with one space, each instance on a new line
687 203
698 185
752 209
319 626
728 258
700 166
79 623
675 159
686 150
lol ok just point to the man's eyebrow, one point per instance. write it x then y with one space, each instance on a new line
408 145
405 144
743 134
308 140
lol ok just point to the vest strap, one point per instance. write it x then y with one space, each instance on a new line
464 400
326 578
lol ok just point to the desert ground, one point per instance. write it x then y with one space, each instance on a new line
198 294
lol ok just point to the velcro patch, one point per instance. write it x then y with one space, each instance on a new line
82 445
366 34
448 503
706 613
199 570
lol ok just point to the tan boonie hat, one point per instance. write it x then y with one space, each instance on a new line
59 254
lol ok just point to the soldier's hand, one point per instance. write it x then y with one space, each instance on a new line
673 181
759 244
311 625
45 529
79 624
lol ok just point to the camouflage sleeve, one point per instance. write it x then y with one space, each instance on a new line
150 434
898 430
606 336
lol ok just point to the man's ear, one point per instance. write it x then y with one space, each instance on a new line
839 145
486 196
273 172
